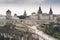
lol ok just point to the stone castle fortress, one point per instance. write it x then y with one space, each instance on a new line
33 19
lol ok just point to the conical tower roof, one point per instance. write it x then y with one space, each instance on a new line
8 11
39 10
50 12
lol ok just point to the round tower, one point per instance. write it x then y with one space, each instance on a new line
8 14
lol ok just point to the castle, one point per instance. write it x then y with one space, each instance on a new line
41 18
33 19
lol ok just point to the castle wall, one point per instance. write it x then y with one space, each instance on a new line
45 17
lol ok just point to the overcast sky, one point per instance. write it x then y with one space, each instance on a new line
18 6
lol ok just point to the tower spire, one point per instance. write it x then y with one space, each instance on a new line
39 10
50 12
25 14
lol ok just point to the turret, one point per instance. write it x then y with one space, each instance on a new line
25 14
39 13
15 15
8 14
8 18
39 10
51 14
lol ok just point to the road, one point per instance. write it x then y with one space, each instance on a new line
42 34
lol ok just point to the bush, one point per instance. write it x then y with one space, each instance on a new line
50 30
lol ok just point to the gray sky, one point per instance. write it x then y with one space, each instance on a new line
29 1
18 6
20 1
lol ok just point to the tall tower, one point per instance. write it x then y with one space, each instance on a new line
25 14
39 13
8 14
51 14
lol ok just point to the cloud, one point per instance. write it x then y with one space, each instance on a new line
10 1
21 1
31 2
